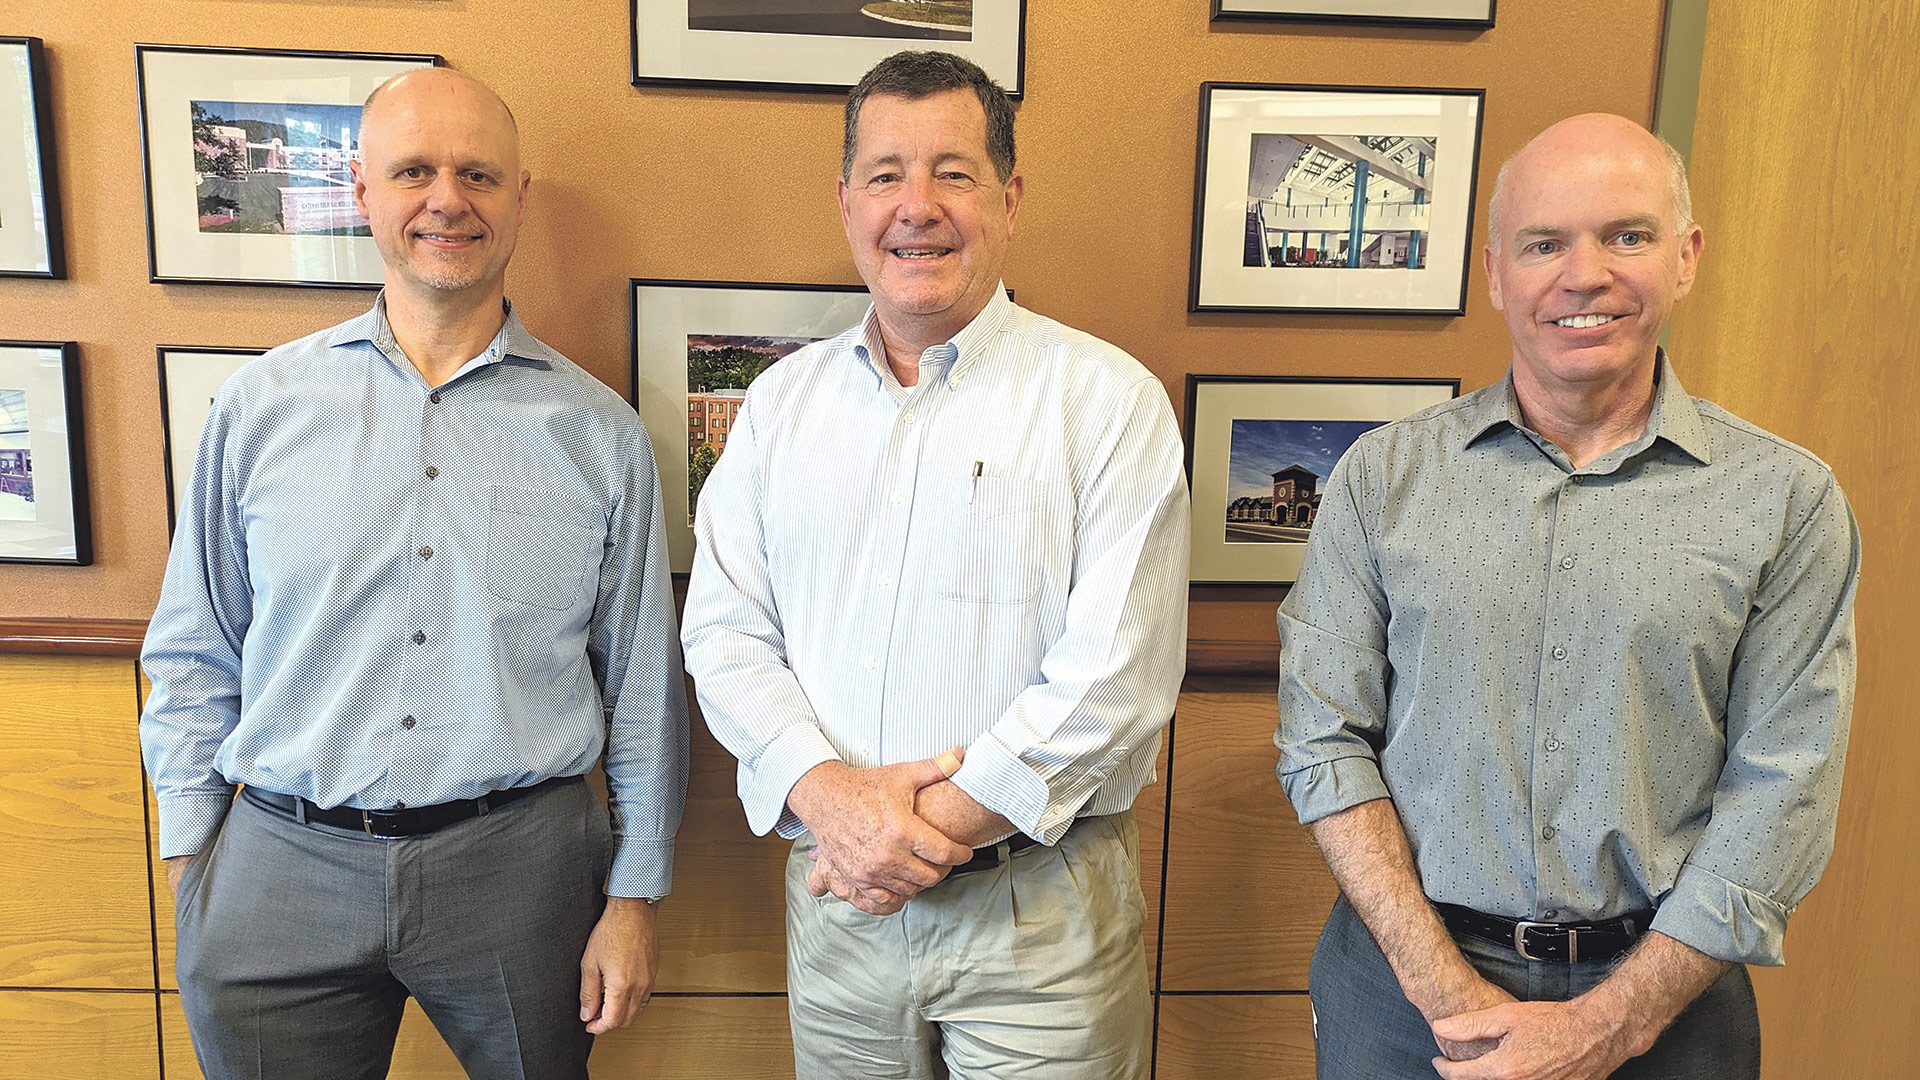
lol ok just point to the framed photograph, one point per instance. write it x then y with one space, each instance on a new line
189 377
246 164
1259 449
1448 14
817 44
1334 199
29 188
697 346
43 460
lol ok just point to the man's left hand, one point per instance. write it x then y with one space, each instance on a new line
1539 1040
616 971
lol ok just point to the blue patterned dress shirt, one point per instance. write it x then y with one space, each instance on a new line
386 594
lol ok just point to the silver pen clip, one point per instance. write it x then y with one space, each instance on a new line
978 468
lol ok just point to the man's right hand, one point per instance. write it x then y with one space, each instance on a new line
866 828
1473 994
176 869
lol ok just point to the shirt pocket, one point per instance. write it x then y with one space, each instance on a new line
999 542
540 545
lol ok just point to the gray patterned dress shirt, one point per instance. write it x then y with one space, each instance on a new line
384 593
1587 691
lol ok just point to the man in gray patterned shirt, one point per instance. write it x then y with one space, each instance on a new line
1566 679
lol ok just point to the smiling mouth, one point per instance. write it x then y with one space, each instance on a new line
448 238
919 252
1584 322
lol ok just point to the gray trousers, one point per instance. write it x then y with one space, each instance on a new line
300 943
1033 970
1365 1029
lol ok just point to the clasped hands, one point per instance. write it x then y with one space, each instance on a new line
1491 1036
877 841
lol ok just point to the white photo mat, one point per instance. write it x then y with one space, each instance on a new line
52 526
666 50
1232 116
189 378
28 217
171 77
1456 12
1214 403
665 314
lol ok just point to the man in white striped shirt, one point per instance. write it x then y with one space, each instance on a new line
939 614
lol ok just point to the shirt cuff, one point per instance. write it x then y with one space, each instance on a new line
642 866
997 779
188 822
1725 920
1329 787
781 764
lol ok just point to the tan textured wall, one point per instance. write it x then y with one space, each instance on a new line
733 185
1801 321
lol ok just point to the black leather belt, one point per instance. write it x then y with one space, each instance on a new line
392 824
1563 942
986 858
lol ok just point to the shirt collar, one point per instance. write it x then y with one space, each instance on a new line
1674 416
964 349
513 340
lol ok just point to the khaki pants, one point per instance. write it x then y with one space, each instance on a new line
1033 970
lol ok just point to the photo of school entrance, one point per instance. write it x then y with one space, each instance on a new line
1275 472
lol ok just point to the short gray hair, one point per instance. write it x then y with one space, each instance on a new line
1676 185
915 75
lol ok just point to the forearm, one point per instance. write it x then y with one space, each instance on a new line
1651 986
955 813
1366 848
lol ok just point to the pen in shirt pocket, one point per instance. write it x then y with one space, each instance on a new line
974 488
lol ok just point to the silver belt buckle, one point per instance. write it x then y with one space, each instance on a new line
366 822
1520 941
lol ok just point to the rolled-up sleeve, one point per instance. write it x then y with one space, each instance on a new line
1333 660
192 649
636 659
1789 706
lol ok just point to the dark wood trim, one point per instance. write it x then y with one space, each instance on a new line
1235 656
122 637
73 637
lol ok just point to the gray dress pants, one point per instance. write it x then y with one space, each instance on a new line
300 943
1365 1029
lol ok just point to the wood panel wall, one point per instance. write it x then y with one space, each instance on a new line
87 988
1801 321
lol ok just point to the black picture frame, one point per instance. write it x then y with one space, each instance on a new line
142 69
79 523
1220 562
44 182
665 411
169 443
1221 12
838 84
1216 281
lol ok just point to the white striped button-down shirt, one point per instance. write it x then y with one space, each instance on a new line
995 558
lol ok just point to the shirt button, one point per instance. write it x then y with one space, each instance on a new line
1546 833
1550 913
1559 653
908 418
1566 563
419 636
434 397
870 663
897 500
406 722
426 553
432 472
399 806
1579 480
1553 744
886 579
